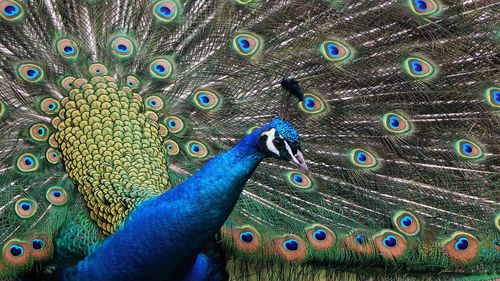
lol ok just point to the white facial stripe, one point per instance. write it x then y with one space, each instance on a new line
289 149
269 142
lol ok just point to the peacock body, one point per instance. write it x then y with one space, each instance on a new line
110 109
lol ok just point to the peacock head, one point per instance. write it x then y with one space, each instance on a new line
281 140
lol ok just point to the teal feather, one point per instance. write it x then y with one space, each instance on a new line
398 123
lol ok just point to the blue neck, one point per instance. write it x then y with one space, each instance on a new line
163 236
212 191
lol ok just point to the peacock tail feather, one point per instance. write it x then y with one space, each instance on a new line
106 104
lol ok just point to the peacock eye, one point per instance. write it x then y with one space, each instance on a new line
279 143
16 250
390 241
291 245
246 237
37 244
361 239
462 244
319 235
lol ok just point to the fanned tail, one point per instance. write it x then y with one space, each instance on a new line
399 125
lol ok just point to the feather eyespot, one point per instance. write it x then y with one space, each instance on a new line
461 247
246 238
166 11
30 72
247 44
299 180
68 83
468 149
424 7
50 106
335 51
67 48
133 82
206 100
493 96
11 10
154 103
406 222
312 104
122 47
53 156
359 241
174 124
98 69
37 244
462 244
27 163
161 68
172 147
41 247
14 252
290 248
418 67
57 195
390 244
39 132
25 208
390 241
196 149
362 158
291 245
320 237
395 123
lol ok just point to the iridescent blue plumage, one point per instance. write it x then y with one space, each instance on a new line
182 221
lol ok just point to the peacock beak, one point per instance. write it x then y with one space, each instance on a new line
299 162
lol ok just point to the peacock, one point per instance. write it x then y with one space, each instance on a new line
249 140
